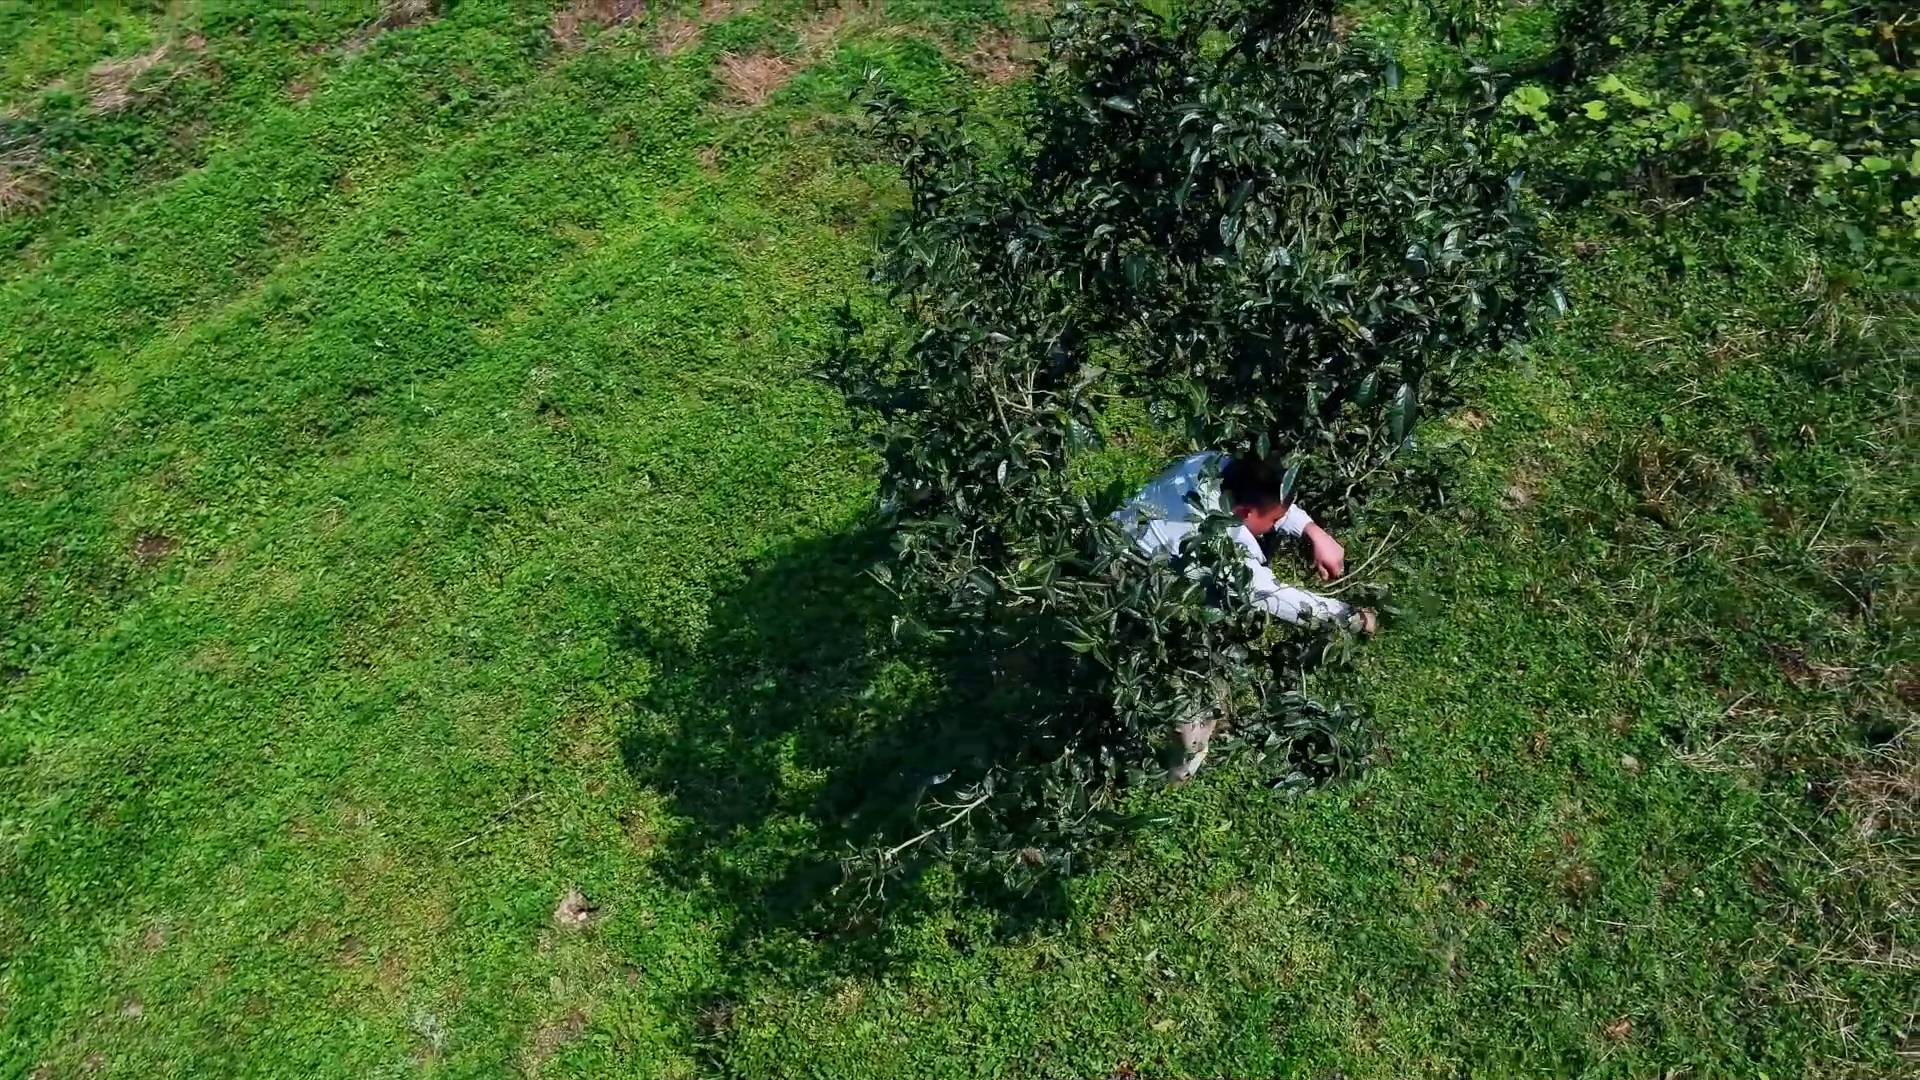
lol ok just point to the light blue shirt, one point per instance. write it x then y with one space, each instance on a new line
1162 516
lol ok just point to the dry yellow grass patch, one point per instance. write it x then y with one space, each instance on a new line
570 21
398 13
23 180
677 32
999 56
115 85
751 79
394 15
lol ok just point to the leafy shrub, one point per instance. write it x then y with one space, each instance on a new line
1226 213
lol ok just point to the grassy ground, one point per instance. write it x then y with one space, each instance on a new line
417 507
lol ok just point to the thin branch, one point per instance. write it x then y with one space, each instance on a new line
1336 586
1823 524
499 820
887 855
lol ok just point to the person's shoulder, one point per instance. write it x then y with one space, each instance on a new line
1249 543
1195 466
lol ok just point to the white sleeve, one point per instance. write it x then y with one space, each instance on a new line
1287 602
1295 522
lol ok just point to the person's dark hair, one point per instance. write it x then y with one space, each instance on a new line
1250 481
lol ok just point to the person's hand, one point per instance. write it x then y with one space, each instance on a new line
1328 556
1365 621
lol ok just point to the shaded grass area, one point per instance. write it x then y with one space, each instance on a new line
1645 796
417 506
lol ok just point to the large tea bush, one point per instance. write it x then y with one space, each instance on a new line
1224 213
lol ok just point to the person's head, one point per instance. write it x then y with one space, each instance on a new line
1252 487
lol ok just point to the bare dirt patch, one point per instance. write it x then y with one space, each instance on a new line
751 79
390 972
999 56
117 85
570 23
716 1018
1806 673
394 15
678 32
996 55
1885 801
826 28
574 911
150 548
819 32
552 1037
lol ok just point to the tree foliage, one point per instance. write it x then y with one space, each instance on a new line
1222 211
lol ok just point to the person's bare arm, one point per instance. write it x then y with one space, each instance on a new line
1288 602
1328 556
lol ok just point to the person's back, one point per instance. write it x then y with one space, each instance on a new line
1171 508
1172 505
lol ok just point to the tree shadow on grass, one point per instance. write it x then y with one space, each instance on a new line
796 730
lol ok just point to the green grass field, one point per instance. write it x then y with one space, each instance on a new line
417 505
